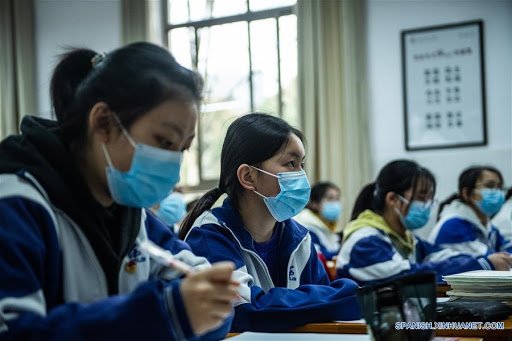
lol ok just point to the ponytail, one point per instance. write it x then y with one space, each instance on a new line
447 201
397 177
205 203
364 200
71 71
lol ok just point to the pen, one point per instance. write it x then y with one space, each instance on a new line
163 257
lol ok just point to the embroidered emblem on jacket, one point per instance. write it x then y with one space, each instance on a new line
134 257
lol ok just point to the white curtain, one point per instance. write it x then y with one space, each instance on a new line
143 20
17 95
332 94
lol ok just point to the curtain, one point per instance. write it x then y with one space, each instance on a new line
143 20
17 53
332 94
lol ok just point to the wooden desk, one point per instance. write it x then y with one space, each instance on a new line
441 290
360 328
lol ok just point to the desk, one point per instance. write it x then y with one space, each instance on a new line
360 328
441 290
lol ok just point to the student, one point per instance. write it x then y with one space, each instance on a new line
71 207
283 285
378 244
465 219
172 210
321 217
503 219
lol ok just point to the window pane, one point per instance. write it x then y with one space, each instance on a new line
264 65
222 8
182 45
288 41
181 11
190 170
224 64
258 5
213 127
178 11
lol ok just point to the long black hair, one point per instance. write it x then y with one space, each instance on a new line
130 80
250 139
468 179
397 176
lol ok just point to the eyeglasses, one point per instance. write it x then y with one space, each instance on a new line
425 204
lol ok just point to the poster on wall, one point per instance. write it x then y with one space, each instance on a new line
444 86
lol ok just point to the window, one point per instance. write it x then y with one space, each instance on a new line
246 51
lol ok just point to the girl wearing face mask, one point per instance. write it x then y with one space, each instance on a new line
72 199
378 244
172 210
282 283
465 219
321 217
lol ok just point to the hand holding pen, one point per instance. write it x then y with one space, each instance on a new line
207 294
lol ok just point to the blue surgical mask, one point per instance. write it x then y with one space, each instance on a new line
417 216
152 175
492 200
331 210
293 196
172 209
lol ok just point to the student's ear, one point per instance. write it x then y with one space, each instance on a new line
466 194
246 177
101 121
390 199
315 206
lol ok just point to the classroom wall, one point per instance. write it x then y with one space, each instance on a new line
385 20
94 24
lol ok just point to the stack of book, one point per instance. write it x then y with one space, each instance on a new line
481 284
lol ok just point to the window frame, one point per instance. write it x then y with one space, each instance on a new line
249 16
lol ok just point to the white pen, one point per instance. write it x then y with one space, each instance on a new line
164 257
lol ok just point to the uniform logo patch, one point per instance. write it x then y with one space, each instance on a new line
134 257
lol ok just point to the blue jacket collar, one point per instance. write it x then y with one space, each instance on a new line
292 233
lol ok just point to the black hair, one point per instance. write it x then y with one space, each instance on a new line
508 194
131 80
318 192
397 176
250 139
468 179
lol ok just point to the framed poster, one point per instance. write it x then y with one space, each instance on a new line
444 86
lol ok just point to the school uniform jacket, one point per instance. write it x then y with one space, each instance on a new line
308 296
369 255
460 229
325 240
62 280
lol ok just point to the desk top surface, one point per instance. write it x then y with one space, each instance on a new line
360 328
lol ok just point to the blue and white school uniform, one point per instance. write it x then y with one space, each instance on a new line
69 274
459 229
372 252
325 240
292 291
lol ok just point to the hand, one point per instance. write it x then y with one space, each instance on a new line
501 261
208 295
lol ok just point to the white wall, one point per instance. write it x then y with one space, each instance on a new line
94 24
384 22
